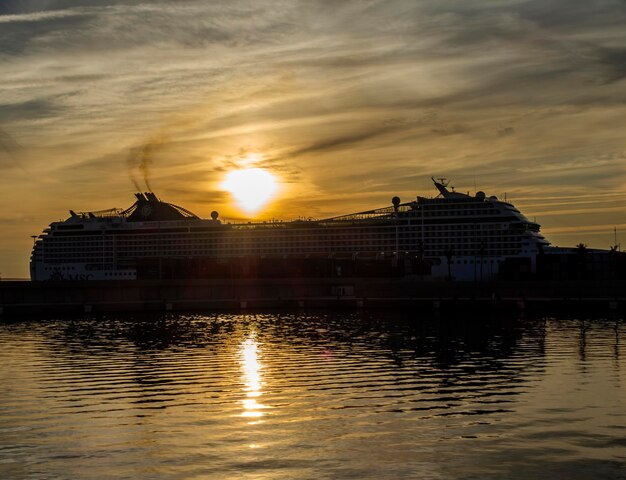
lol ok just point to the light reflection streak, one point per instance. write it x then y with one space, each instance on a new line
251 368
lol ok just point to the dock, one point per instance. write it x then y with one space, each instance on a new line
51 299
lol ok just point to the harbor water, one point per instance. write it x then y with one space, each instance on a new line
319 395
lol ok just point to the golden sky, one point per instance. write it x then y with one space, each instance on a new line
347 103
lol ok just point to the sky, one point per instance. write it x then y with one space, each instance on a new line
346 103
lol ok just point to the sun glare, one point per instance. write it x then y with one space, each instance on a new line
251 187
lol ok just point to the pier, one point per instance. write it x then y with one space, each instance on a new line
99 297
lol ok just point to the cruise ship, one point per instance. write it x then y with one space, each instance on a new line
449 236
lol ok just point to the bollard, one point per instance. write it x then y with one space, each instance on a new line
359 303
87 308
168 307
612 305
300 303
243 304
521 305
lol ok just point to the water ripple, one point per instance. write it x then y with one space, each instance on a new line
325 395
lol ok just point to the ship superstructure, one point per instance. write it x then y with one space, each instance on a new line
467 237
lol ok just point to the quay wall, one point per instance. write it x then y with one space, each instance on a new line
77 298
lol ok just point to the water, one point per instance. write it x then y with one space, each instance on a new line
321 395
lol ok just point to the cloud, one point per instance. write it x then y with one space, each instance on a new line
614 59
450 130
29 109
38 16
340 142
10 149
352 100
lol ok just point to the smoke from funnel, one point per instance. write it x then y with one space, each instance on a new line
140 160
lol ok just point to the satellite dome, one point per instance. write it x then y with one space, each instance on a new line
214 215
480 195
395 201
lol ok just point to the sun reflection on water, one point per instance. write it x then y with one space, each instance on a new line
251 368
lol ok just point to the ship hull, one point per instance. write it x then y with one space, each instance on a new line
451 237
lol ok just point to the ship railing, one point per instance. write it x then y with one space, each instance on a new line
110 213
382 213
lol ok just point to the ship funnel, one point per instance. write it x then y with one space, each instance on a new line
151 197
140 197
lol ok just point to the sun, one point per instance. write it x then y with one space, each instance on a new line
251 187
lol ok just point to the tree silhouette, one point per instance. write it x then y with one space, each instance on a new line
581 251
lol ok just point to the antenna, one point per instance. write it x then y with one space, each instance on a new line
443 181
